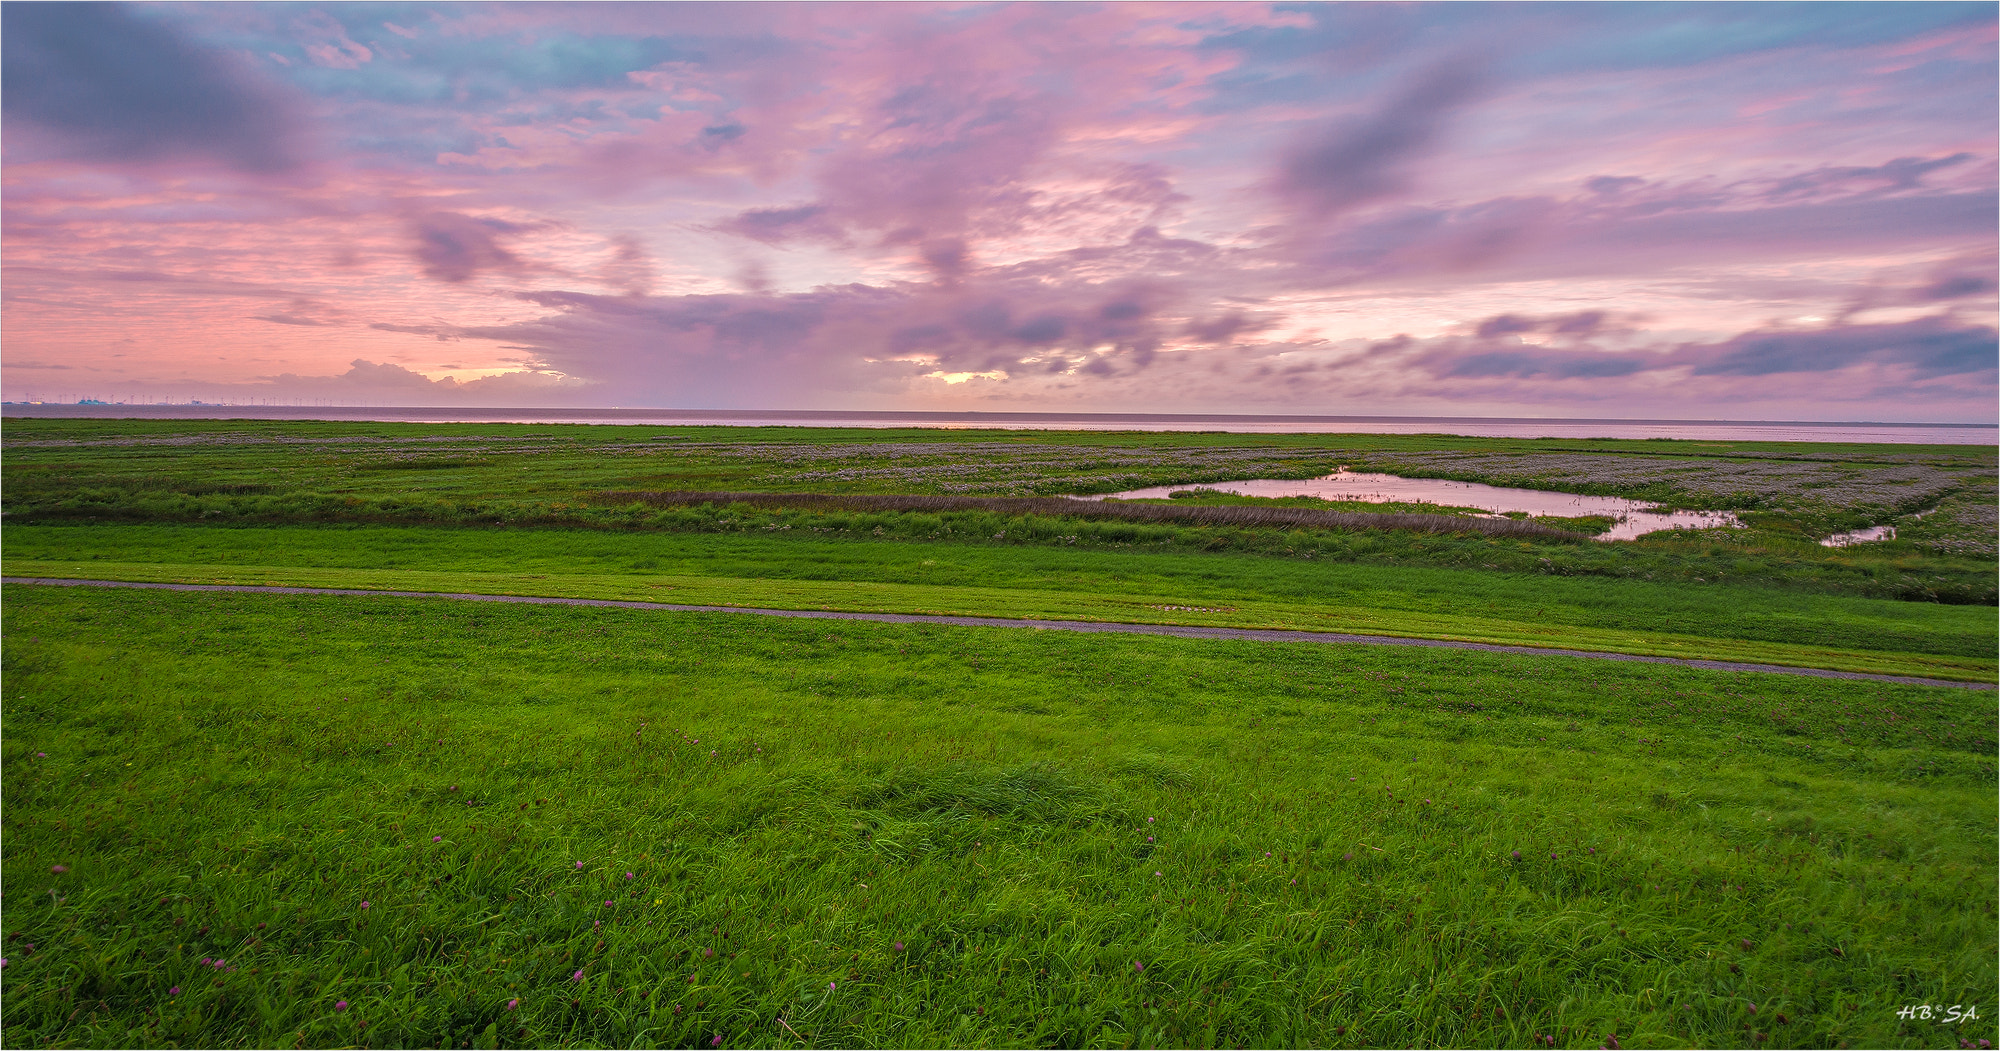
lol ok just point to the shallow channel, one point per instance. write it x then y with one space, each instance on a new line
1633 517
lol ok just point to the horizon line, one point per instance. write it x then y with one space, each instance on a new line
98 405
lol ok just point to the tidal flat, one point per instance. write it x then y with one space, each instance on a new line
252 820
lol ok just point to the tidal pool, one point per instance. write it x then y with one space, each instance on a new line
1860 536
1633 517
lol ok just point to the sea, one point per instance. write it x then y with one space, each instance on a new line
1475 426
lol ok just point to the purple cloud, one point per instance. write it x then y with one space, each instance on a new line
1926 348
100 82
1903 173
1958 279
1929 347
777 225
1529 238
456 248
1362 161
631 268
1581 323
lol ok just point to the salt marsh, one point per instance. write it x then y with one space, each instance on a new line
1633 517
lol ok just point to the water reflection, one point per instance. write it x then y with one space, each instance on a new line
1633 517
1860 536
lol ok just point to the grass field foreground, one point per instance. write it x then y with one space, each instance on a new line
1136 585
243 820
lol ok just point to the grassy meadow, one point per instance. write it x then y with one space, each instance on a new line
252 820
1941 499
1056 581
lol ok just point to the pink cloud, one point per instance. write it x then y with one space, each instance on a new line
753 205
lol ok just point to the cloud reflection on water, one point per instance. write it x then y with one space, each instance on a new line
1634 517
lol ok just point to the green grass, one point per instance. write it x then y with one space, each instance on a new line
923 835
990 579
1299 844
274 473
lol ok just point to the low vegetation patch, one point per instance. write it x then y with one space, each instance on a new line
238 472
1245 514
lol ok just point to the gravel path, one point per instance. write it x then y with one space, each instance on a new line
1177 630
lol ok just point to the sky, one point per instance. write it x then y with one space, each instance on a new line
1634 210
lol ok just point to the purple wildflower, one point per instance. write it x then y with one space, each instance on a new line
511 1004
717 1042
899 946
628 875
1517 855
175 991
437 839
1137 966
340 1005
58 869
577 977
364 904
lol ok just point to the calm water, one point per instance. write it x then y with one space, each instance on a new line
1860 536
1634 517
1486 427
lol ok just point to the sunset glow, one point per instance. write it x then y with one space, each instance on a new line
1699 211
